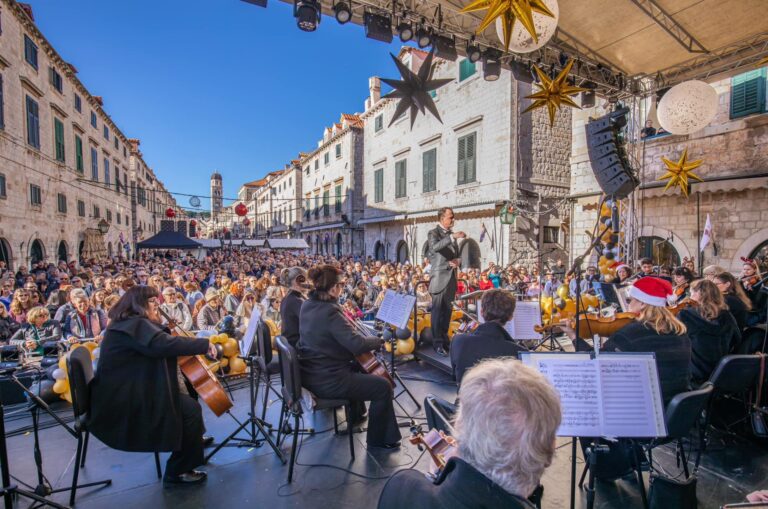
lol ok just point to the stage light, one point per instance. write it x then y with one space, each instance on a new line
491 64
342 12
378 27
473 51
405 31
423 37
445 47
307 14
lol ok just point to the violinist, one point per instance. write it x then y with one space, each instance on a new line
136 404
646 267
505 430
623 274
751 282
682 278
735 298
328 344
656 330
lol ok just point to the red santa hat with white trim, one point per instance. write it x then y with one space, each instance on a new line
651 290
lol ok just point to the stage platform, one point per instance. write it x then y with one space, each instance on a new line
253 477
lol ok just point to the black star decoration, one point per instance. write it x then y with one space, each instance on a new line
413 90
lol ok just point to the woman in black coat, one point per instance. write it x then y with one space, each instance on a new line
711 327
735 298
295 279
135 400
327 348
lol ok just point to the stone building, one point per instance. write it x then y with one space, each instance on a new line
483 154
216 195
264 198
667 226
332 189
286 202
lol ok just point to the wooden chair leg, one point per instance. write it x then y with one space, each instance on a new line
76 470
85 449
293 446
157 465
347 415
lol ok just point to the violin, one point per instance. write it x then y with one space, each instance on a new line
441 447
592 323
199 374
680 289
749 281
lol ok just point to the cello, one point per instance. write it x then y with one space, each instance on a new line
367 360
198 374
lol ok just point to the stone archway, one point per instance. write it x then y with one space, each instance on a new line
401 252
379 251
5 253
36 252
62 252
748 248
670 237
470 255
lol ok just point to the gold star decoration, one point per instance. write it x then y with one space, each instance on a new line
554 92
679 173
510 11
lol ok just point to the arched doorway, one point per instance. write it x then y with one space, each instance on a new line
339 244
109 249
5 253
80 248
469 252
318 245
36 252
327 244
62 252
402 252
760 255
378 251
660 250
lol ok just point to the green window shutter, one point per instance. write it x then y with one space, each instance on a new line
58 129
326 203
338 198
400 179
79 166
462 159
429 164
378 185
466 69
748 93
471 160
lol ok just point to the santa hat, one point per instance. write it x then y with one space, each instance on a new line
651 290
616 266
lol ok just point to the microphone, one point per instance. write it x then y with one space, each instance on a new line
398 333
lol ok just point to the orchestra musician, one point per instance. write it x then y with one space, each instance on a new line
295 279
490 339
443 253
735 298
328 344
136 404
682 278
505 430
751 282
646 268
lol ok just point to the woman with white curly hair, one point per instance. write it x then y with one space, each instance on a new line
505 429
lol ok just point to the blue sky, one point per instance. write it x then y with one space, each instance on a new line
215 84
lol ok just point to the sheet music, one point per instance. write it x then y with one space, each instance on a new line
578 384
527 315
250 332
396 309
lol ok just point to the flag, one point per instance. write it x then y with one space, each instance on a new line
483 233
706 236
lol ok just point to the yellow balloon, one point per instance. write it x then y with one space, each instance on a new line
546 305
61 386
405 346
456 314
387 346
563 292
63 363
229 347
224 362
570 308
588 301
67 396
236 365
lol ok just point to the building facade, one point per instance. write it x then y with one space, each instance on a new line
483 154
332 190
286 202
665 225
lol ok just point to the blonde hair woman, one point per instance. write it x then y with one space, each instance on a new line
20 305
38 329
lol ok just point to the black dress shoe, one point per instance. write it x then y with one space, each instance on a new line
441 351
207 441
185 479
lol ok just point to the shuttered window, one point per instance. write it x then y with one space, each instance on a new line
467 158
378 123
58 136
327 202
61 199
338 198
79 165
748 93
106 171
81 208
429 164
33 123
94 165
400 179
35 195
378 184
30 51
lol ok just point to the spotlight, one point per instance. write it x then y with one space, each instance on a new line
445 47
342 12
521 71
473 51
491 64
423 37
405 31
378 27
307 14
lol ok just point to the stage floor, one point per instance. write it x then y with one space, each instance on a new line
255 477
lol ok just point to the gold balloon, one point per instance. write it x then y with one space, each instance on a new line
546 305
63 363
453 327
229 347
224 362
589 301
67 396
61 386
554 92
236 365
570 308
405 346
510 11
563 291
679 172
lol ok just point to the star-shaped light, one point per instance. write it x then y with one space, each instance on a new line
554 92
509 11
413 90
679 173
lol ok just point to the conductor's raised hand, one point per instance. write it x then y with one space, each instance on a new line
459 235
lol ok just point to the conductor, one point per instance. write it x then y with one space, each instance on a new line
443 254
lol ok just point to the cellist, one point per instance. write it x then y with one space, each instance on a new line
136 404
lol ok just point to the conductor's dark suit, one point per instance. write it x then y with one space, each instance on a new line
442 248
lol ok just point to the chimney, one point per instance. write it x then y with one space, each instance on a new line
134 142
374 87
28 9
99 100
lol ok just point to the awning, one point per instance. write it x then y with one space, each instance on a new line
654 190
323 227
285 244
168 240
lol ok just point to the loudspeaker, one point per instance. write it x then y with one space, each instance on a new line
10 393
166 225
606 153
181 227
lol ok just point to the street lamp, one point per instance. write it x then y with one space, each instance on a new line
139 231
103 226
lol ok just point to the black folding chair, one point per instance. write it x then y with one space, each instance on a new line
291 375
263 347
440 413
733 378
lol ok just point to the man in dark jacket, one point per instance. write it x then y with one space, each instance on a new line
499 461
443 254
295 279
490 339
136 404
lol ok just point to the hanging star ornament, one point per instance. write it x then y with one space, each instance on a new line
510 11
679 173
413 90
554 92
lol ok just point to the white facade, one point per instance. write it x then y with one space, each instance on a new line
286 202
